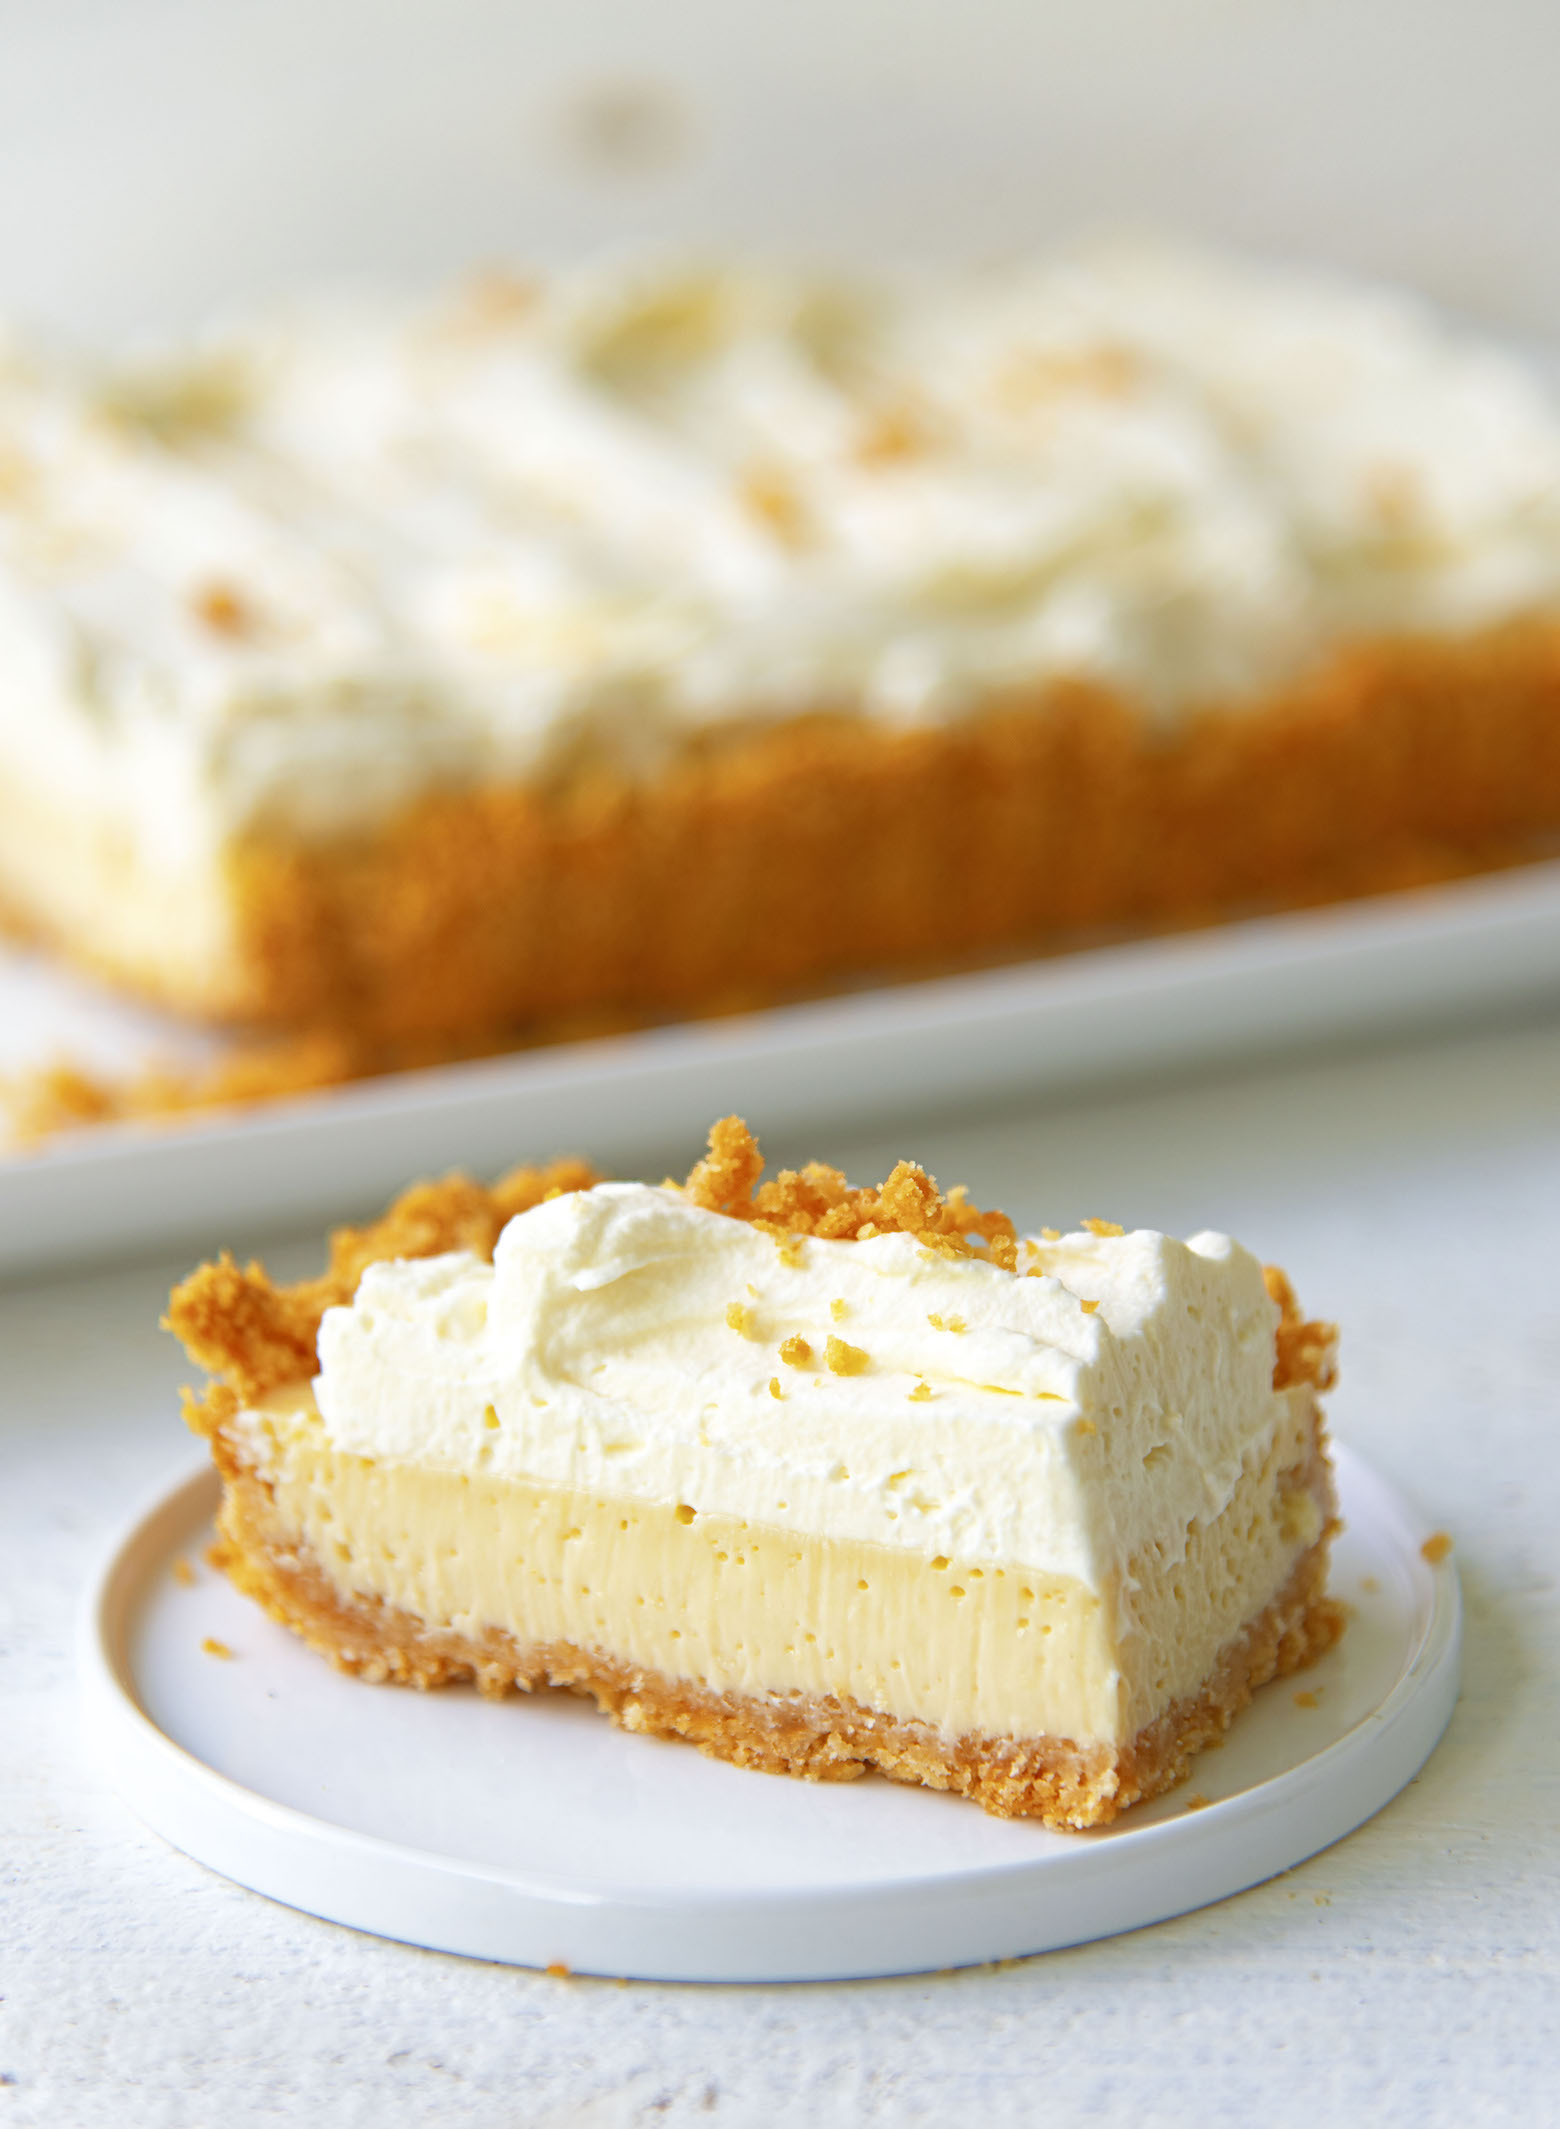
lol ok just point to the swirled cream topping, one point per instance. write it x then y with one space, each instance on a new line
627 1343
296 573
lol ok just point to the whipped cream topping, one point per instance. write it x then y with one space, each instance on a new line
296 573
626 1342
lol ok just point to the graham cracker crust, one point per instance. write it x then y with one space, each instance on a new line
813 1737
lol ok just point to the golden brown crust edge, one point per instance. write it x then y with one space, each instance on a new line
814 1737
770 861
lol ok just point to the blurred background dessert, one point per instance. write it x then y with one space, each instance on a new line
654 624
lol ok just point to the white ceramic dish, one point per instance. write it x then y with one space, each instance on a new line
533 1832
647 1099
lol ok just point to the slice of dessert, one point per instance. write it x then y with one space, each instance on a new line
819 1478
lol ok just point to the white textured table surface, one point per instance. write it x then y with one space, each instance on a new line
1408 1975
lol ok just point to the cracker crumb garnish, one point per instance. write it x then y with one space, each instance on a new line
46 1099
183 1573
492 298
891 434
1104 1227
1050 1234
1088 1307
817 1200
213 1647
838 1310
921 1394
1436 1547
225 611
775 1390
795 1351
770 495
1198 1802
846 1359
1308 1700
739 1318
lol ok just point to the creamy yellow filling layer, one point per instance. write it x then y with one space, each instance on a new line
967 1648
731 1605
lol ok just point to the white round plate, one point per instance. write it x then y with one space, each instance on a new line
532 1831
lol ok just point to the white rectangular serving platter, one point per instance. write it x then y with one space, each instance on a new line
644 1101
